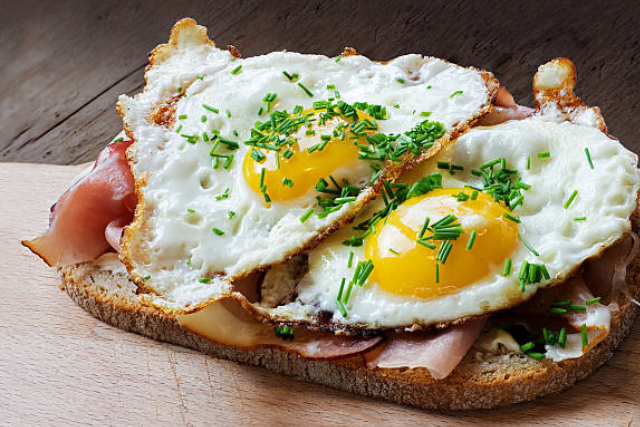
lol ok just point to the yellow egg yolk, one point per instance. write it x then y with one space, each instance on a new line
306 157
405 267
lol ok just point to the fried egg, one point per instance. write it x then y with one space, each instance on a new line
242 163
504 211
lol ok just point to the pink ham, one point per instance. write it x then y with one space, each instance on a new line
505 108
89 217
226 322
439 353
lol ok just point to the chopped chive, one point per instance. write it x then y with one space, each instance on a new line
425 113
204 280
218 231
262 173
179 128
562 337
286 182
203 118
561 303
182 116
576 307
147 277
341 289
586 151
340 306
533 251
528 346
307 215
338 58
331 87
490 163
474 195
350 262
512 218
429 87
237 69
557 310
228 113
393 251
583 334
507 267
210 108
444 165
544 155
437 273
593 300
571 199
200 76
424 228
536 355
458 92
396 105
304 88
580 218
118 139
472 238
426 244
231 214
401 81
528 162
191 210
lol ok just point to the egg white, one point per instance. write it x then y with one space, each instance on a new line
606 197
173 245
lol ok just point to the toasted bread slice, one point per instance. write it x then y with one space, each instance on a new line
481 381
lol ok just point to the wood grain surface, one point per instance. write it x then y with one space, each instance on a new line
61 367
64 62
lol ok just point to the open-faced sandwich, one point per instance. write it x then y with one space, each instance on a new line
402 230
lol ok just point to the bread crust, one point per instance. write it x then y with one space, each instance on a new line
481 381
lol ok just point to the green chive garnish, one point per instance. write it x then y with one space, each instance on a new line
304 88
182 116
236 70
536 355
576 307
228 112
147 277
585 337
200 76
557 310
340 306
586 151
350 262
580 218
393 251
571 199
307 215
593 300
401 81
533 251
218 231
472 238
544 155
528 346
507 267
204 280
562 337
425 113
512 218
231 214
118 139
210 108
437 273
528 162
458 92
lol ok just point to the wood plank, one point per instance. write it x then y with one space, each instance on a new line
64 62
60 366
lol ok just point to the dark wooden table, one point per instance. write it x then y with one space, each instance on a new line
63 63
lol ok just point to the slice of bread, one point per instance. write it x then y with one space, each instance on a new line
481 381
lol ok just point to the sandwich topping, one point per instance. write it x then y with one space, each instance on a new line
516 237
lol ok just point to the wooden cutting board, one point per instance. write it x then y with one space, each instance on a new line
60 366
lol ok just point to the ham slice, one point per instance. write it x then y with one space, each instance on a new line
89 217
505 109
439 353
226 322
